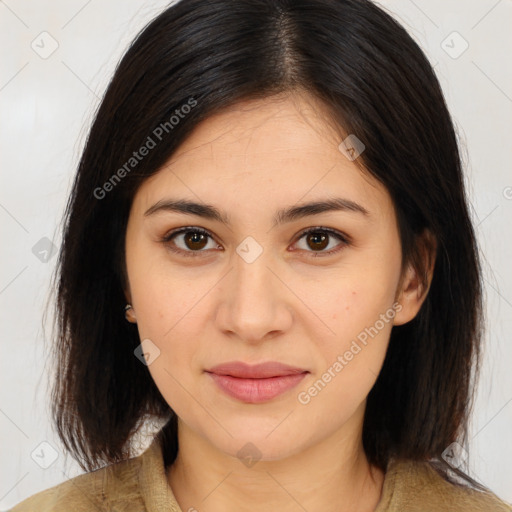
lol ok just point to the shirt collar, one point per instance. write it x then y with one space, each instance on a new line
154 487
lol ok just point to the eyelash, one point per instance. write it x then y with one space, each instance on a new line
344 239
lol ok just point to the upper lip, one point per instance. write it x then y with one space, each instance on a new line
255 371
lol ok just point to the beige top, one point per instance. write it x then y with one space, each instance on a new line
139 484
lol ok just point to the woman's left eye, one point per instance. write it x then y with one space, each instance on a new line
194 241
318 238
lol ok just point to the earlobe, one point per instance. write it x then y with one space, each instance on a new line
129 314
410 298
413 287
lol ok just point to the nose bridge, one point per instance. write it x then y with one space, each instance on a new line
254 304
252 277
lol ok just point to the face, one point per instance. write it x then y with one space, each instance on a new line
317 290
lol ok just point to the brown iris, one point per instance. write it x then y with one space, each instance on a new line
319 240
195 240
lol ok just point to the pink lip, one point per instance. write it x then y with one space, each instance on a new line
256 383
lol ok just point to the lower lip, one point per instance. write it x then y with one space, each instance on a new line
255 391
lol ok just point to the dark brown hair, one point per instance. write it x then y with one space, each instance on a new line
376 83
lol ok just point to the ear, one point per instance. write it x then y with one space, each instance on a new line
415 281
130 316
130 313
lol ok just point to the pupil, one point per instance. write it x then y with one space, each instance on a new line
195 238
318 239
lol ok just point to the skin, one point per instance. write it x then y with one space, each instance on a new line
290 305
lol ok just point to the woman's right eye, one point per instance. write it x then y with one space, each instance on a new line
188 241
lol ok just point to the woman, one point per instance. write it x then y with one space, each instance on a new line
268 248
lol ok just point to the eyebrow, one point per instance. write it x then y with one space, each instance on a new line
282 216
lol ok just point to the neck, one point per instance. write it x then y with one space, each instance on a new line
332 475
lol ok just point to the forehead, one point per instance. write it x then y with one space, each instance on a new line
282 123
280 150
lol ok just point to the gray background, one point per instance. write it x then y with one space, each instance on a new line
47 96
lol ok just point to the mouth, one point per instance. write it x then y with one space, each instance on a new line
256 371
256 383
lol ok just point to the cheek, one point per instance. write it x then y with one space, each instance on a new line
360 315
169 313
164 295
357 300
352 358
173 318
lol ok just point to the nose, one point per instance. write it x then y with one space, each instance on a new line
255 304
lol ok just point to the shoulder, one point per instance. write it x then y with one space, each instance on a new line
418 487
98 490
